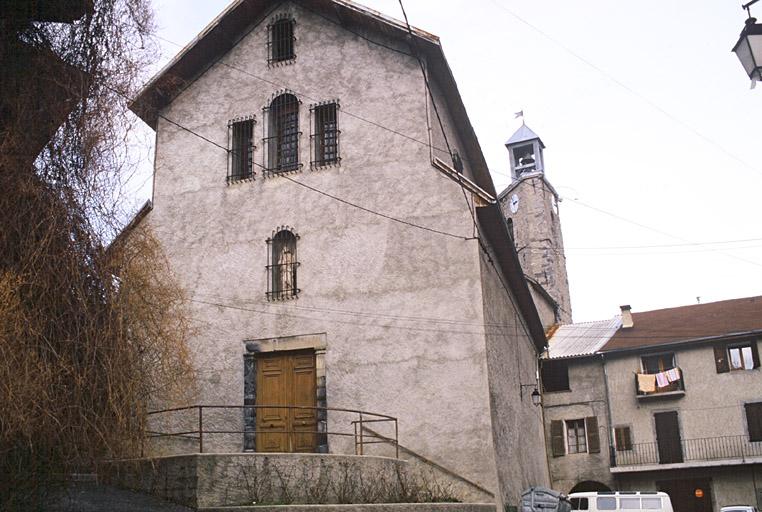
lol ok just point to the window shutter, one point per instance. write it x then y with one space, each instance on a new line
623 438
755 353
593 438
754 420
721 358
557 443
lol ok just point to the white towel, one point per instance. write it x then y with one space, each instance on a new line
661 380
673 375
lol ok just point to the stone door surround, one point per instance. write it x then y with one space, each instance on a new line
316 342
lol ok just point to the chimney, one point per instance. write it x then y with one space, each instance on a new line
627 322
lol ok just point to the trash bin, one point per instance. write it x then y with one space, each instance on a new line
542 499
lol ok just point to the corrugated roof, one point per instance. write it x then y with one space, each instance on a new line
523 134
582 339
690 323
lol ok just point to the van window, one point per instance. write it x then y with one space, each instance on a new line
579 504
652 503
606 503
629 503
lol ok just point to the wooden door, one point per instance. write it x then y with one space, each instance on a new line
286 378
668 437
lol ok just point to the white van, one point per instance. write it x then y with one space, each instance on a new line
625 501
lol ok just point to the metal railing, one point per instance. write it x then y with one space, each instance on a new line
690 450
358 426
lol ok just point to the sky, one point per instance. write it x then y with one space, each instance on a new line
653 136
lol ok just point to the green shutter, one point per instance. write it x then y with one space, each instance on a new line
593 437
721 358
557 444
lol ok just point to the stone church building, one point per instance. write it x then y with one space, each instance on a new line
341 250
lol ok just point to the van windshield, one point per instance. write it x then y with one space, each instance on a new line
579 504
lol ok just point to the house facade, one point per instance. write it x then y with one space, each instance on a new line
314 210
682 389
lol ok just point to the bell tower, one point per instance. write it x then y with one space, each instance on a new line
530 206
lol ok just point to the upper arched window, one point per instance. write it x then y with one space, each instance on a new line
280 40
283 265
283 137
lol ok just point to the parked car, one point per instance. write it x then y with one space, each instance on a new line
624 501
739 508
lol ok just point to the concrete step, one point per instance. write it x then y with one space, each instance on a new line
380 507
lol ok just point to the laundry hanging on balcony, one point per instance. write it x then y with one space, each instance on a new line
646 382
661 380
673 375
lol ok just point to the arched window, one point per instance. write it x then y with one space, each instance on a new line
283 137
282 265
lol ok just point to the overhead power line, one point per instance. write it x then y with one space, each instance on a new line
630 90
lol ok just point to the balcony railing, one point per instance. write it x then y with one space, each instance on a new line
690 450
676 388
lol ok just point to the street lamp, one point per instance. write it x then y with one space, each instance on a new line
749 47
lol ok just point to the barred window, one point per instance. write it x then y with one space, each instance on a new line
240 148
280 40
282 139
325 134
282 265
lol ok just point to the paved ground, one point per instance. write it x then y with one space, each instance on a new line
91 497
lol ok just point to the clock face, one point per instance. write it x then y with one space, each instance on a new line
514 203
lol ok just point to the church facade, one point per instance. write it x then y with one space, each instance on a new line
340 248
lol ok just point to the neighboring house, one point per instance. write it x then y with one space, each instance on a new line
575 406
699 437
683 388
305 202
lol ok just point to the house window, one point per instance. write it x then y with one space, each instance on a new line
741 357
283 134
622 438
754 420
280 41
576 441
661 363
554 375
658 363
240 148
282 265
325 134
736 356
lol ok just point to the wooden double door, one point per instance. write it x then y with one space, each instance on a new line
286 379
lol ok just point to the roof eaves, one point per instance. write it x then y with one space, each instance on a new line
687 341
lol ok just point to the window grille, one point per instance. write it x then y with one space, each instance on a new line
282 137
324 140
241 148
282 266
281 40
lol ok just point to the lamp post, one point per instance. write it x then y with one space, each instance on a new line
749 46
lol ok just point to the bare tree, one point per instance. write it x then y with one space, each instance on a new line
90 332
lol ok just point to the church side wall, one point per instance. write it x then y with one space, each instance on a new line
516 422
400 308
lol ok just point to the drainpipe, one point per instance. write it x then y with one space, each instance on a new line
612 458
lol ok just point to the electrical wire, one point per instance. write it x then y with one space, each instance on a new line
629 89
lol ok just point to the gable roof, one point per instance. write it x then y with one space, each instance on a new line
226 30
524 134
695 323
581 339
